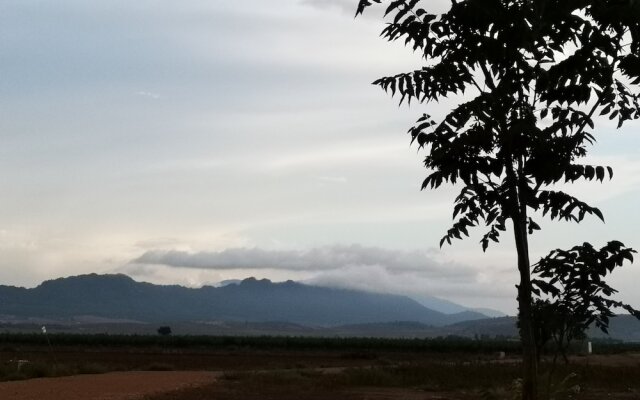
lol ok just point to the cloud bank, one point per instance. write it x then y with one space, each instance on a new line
354 267
328 258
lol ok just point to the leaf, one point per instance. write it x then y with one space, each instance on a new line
598 213
532 226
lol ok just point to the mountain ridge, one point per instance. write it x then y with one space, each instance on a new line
121 297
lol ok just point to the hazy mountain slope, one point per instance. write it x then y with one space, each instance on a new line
464 316
441 305
489 312
504 326
449 307
622 327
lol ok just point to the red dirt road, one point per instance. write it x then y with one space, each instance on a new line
110 386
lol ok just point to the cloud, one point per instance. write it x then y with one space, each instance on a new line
170 276
347 6
379 279
151 95
342 153
320 259
333 179
374 269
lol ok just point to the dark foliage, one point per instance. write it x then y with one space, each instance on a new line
164 331
353 345
573 294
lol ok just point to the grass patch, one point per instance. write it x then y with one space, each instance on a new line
158 367
12 371
91 368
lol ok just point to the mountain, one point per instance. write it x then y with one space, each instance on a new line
489 312
492 327
449 307
120 297
441 305
621 327
228 282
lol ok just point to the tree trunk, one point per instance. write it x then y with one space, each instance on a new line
525 318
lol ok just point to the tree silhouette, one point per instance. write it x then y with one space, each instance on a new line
572 294
164 331
534 73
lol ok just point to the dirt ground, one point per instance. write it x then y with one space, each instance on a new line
109 386
200 385
164 385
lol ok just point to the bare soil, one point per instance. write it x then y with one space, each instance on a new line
290 375
110 386
224 391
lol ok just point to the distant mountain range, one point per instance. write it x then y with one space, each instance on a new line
120 297
118 304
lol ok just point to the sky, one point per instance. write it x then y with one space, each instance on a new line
197 141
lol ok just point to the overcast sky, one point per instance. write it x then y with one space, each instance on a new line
195 141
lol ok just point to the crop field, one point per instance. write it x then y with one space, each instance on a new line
314 368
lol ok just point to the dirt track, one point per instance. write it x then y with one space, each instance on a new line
110 386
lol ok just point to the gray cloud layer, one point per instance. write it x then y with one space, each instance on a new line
329 258
357 267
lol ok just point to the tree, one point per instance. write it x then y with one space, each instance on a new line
572 294
534 73
164 331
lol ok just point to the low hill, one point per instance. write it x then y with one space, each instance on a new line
621 327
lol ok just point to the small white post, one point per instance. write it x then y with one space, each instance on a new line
589 348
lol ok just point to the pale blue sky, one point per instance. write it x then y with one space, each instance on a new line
200 126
